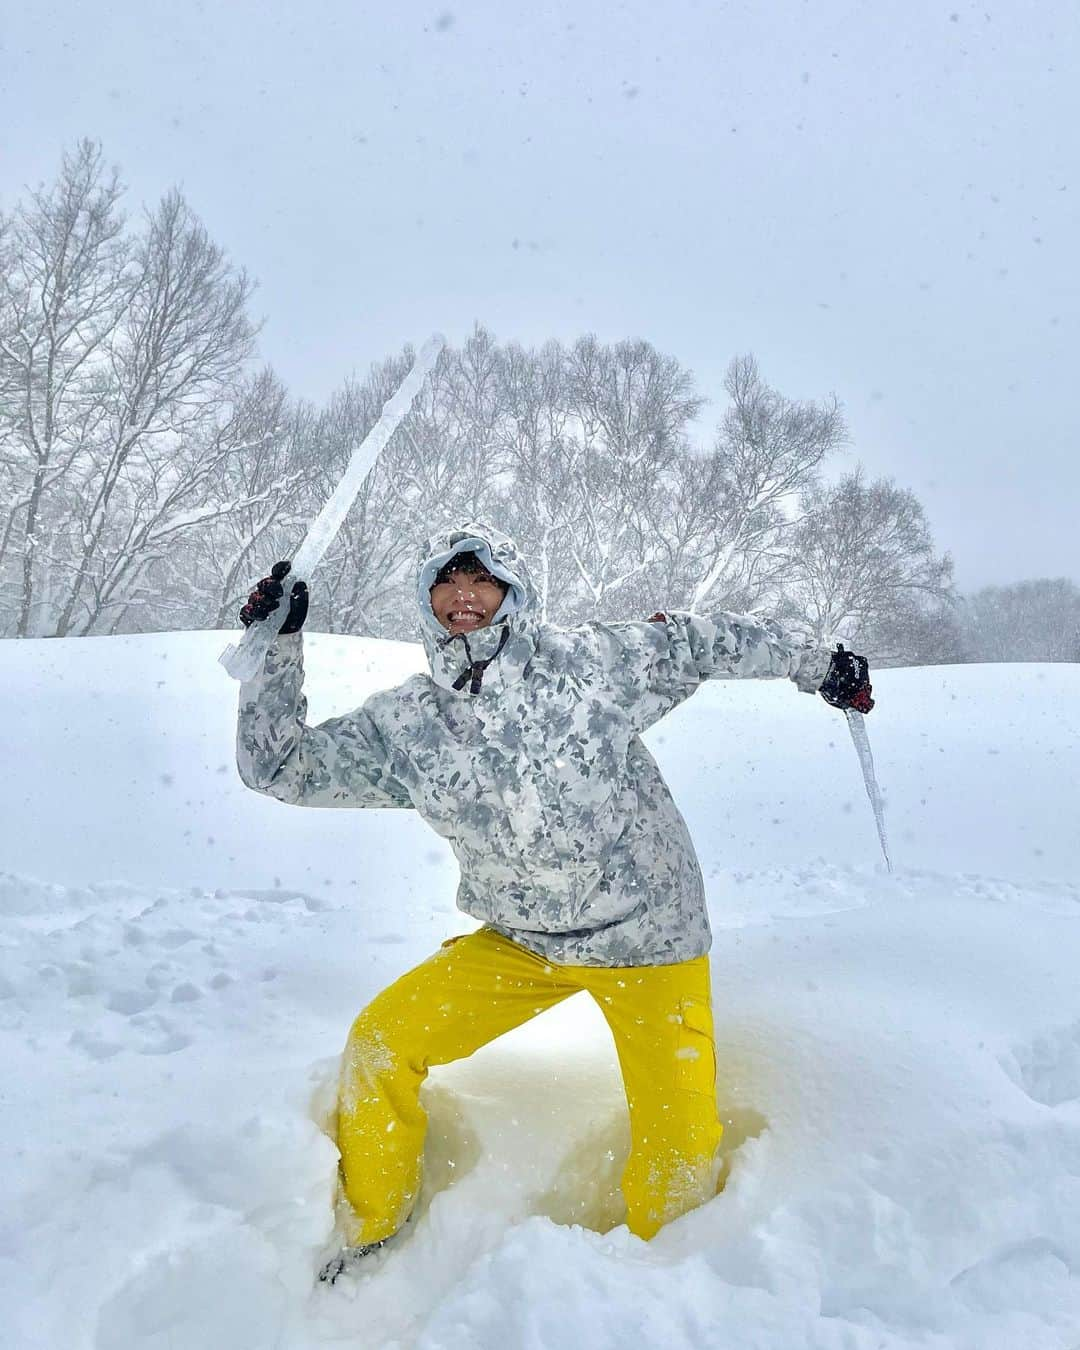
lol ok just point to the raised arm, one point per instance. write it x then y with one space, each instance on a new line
342 762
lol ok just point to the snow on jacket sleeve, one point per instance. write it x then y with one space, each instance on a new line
656 665
342 762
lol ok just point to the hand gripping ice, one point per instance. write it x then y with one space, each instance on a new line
244 661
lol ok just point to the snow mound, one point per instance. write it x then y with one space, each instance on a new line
900 1056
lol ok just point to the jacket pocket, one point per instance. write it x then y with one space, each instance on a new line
696 1052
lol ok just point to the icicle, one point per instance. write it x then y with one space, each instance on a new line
857 726
245 660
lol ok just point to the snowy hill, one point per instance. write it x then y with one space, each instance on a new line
900 1056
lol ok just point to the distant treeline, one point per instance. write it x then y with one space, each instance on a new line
150 471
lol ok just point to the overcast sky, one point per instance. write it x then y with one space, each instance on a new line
876 199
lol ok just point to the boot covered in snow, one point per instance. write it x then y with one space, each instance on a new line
347 1259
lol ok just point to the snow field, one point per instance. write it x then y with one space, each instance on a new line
899 1057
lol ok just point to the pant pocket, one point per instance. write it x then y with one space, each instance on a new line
696 1053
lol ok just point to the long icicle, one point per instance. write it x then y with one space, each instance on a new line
857 726
244 660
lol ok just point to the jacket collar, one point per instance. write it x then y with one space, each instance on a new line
507 646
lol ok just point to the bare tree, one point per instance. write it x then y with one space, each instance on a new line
583 454
442 466
63 289
175 362
127 353
630 408
589 432
259 493
731 511
1036 620
920 630
363 582
538 505
861 554
148 478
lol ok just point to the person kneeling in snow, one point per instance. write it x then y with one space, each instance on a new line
523 749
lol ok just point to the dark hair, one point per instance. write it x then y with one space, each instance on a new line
466 562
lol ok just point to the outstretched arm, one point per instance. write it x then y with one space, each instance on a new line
661 661
741 645
342 762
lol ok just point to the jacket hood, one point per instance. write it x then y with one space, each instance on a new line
509 640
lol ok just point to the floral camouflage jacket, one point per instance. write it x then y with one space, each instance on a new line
532 767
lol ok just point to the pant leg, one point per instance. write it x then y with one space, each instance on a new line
661 1019
472 990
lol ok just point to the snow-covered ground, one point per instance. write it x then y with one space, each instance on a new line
900 1056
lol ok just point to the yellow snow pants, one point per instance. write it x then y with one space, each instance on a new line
479 986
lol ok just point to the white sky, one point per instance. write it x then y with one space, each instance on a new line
877 200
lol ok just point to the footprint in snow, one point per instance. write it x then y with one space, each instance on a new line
129 1002
160 1037
1047 1068
94 1046
1021 1273
221 1291
186 993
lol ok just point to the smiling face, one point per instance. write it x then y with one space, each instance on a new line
466 596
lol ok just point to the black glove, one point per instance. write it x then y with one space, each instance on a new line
847 683
264 599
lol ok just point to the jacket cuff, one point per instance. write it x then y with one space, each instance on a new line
814 665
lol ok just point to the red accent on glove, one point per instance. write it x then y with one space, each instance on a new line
262 601
861 701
